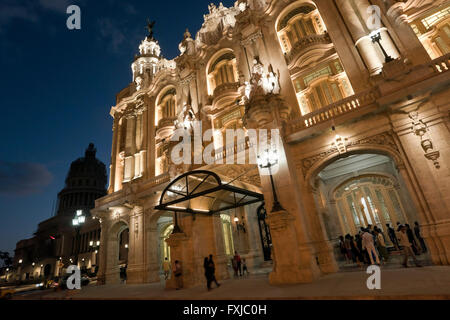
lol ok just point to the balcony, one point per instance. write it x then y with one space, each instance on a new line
165 127
420 78
305 43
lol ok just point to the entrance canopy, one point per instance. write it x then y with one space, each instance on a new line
203 192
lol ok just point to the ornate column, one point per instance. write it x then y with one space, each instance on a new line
323 249
415 51
112 170
136 252
348 54
356 17
105 225
292 249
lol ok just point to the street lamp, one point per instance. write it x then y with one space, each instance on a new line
267 160
376 38
77 222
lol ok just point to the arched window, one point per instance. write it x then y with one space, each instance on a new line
222 71
433 30
167 105
326 84
297 24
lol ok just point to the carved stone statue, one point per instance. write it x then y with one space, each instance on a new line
150 26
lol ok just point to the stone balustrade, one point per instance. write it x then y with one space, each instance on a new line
360 100
441 64
225 88
221 154
333 111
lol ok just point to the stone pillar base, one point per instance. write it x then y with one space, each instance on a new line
112 276
135 274
179 250
152 273
292 263
437 238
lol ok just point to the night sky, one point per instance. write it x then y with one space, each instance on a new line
57 87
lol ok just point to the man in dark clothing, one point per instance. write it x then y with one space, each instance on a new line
212 272
419 236
412 240
392 236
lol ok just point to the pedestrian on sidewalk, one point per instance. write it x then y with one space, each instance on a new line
392 236
208 273
381 245
235 268
212 268
244 267
407 250
343 249
166 268
178 273
412 240
419 237
368 244
237 257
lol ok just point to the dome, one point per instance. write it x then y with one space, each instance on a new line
85 182
87 171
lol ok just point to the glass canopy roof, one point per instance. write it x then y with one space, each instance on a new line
203 192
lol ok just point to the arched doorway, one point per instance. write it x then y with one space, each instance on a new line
47 271
361 189
165 233
117 252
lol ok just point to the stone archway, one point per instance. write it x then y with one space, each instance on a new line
113 255
379 206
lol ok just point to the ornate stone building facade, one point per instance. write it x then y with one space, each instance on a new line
359 91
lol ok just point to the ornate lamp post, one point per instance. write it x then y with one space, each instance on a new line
376 38
77 222
267 160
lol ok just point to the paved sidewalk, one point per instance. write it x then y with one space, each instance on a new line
411 283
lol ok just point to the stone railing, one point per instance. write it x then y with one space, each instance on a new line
441 64
333 111
235 148
155 181
306 42
109 198
166 122
225 88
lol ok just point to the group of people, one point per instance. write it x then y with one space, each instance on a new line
239 265
177 270
368 247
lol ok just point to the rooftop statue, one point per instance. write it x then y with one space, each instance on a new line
150 26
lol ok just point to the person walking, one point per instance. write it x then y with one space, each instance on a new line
235 268
208 273
343 249
166 268
244 267
212 268
407 250
237 257
178 273
419 236
392 236
412 240
368 244
381 244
